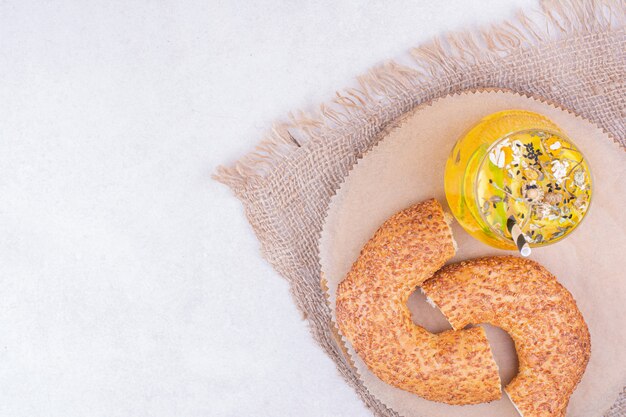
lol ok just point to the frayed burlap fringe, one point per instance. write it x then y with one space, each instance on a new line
570 53
447 56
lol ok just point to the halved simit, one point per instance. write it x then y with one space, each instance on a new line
454 367
520 296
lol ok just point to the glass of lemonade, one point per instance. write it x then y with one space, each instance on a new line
517 163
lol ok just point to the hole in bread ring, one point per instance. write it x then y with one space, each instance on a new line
454 367
425 313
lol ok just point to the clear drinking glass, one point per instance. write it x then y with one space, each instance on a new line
521 164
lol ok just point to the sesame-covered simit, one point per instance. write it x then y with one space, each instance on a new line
454 367
524 299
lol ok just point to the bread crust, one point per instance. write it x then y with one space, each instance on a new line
520 296
454 367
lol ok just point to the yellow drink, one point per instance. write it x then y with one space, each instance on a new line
517 163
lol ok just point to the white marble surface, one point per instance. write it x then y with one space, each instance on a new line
130 282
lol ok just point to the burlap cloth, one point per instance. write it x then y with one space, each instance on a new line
571 53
